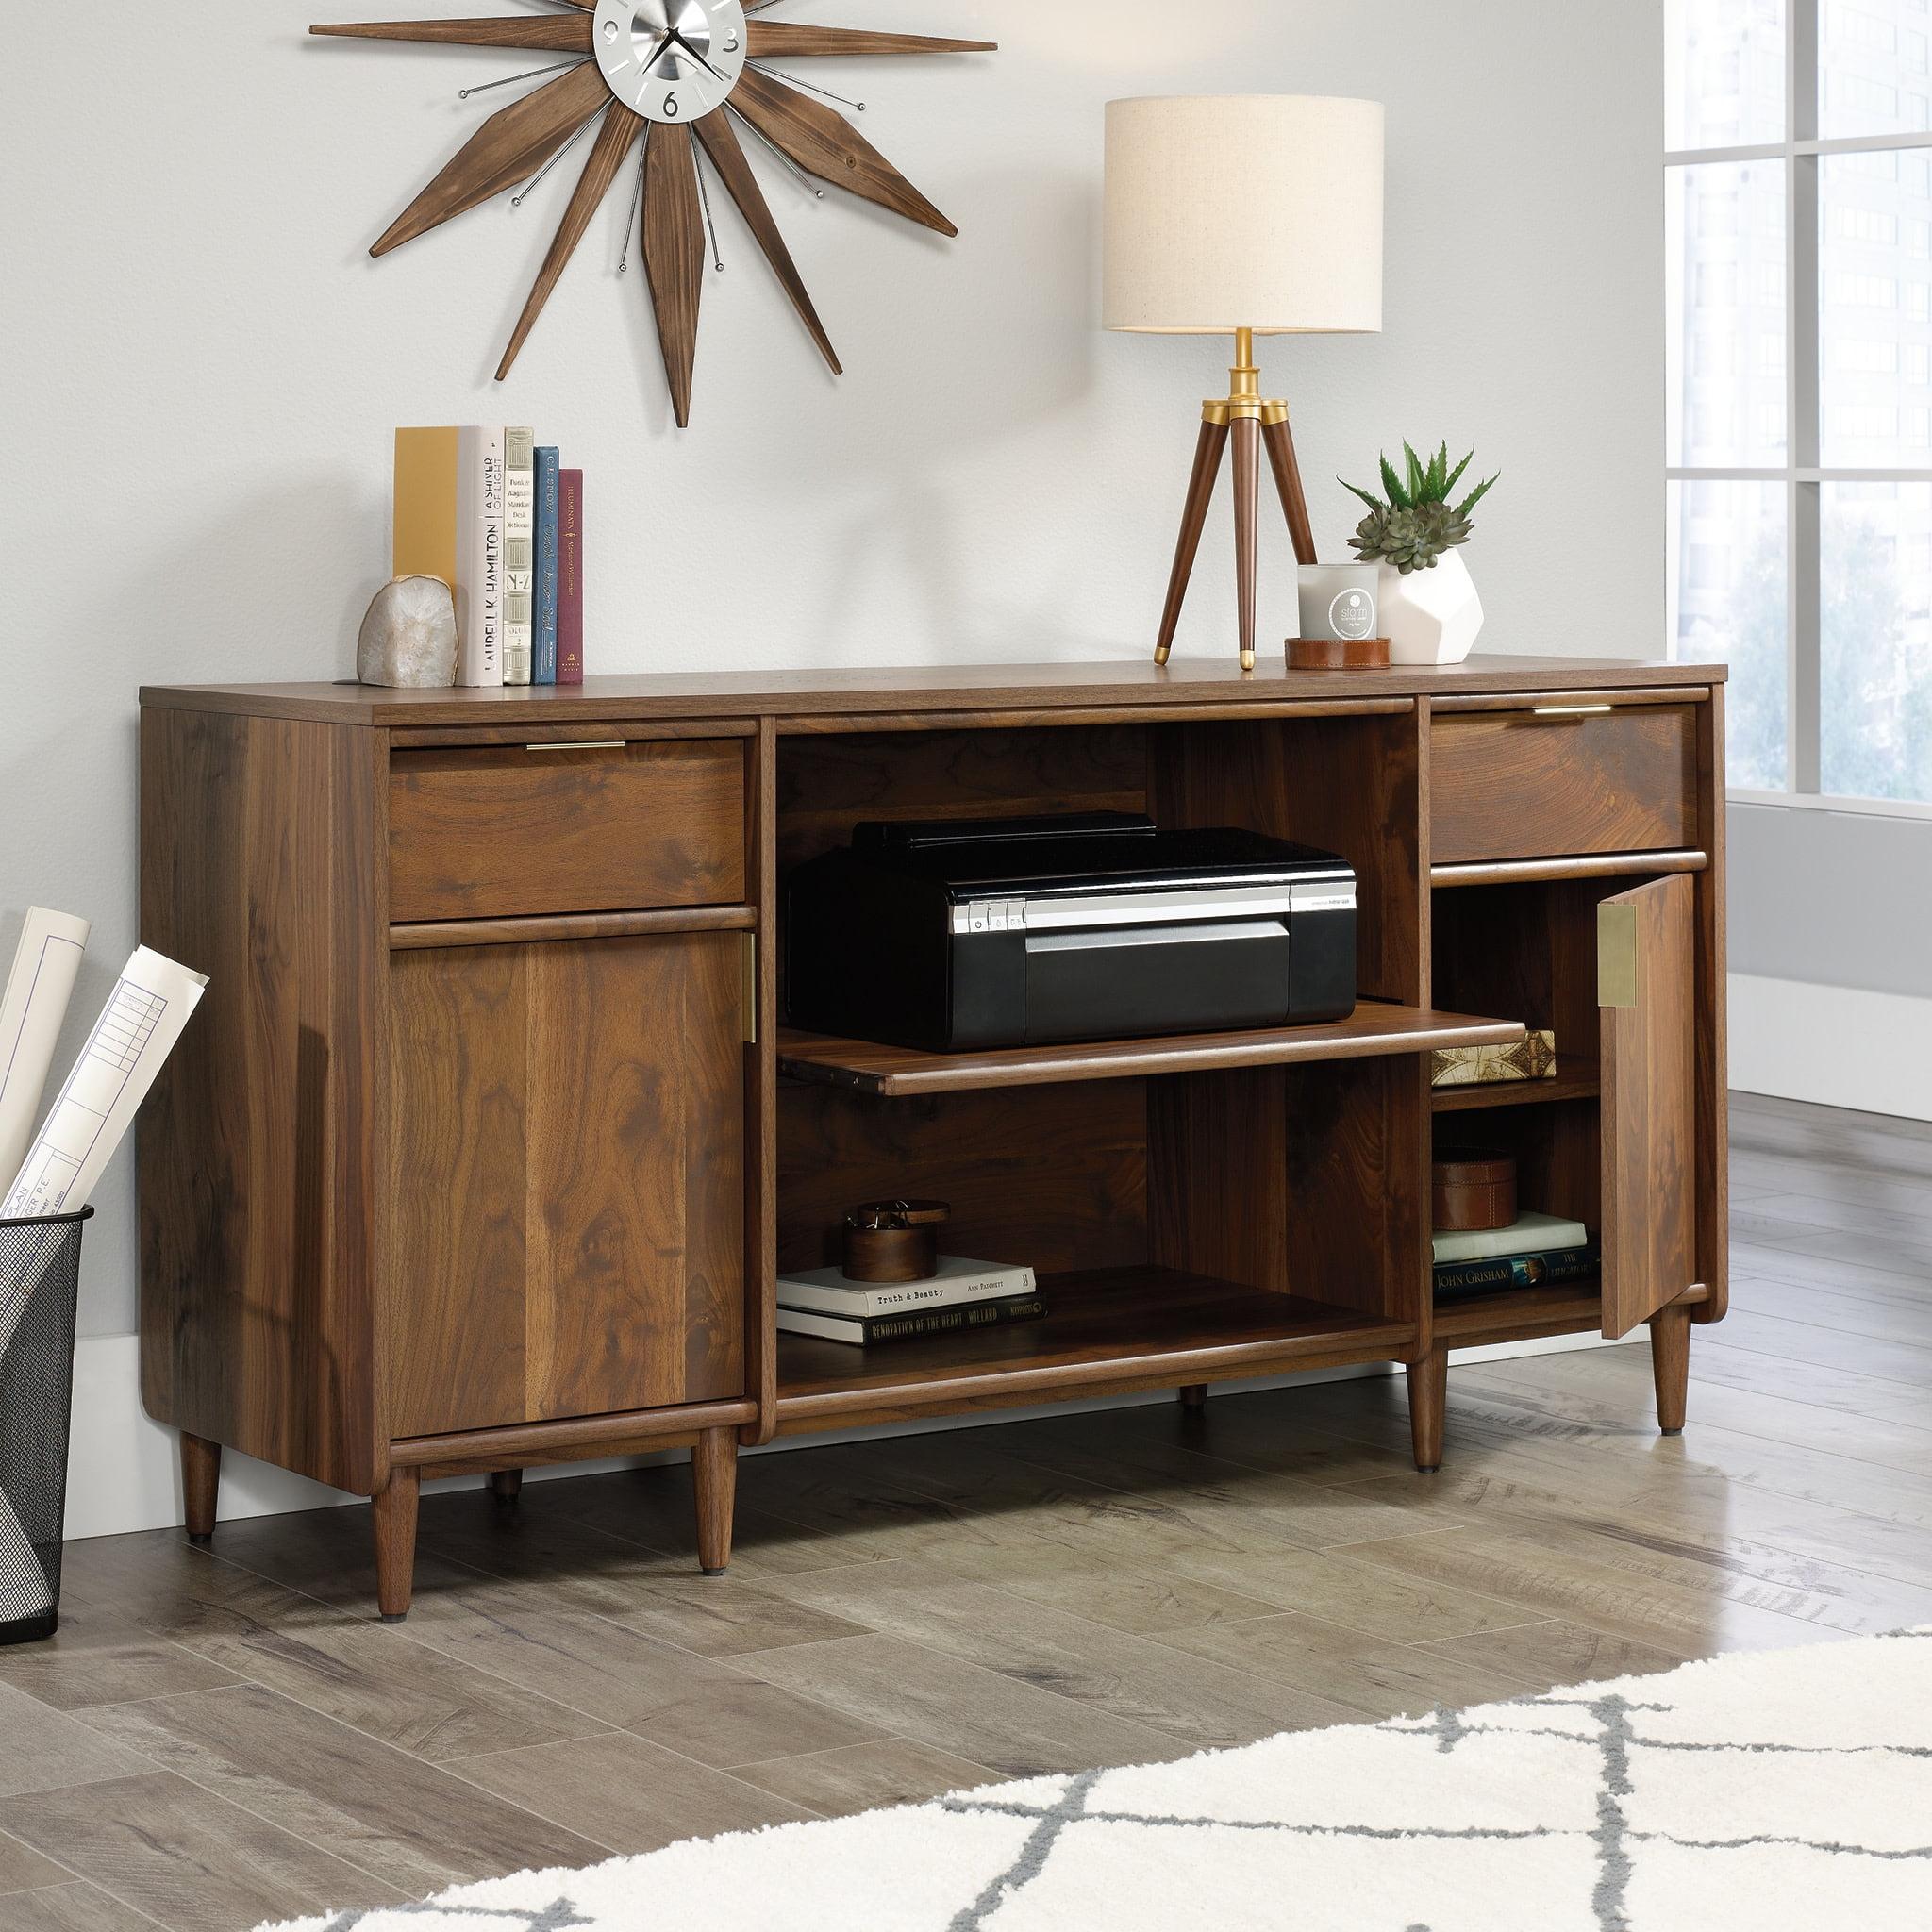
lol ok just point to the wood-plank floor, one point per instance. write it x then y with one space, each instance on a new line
220 1737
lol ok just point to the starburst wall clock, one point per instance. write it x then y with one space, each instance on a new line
675 77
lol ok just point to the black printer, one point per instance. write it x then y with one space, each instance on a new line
960 934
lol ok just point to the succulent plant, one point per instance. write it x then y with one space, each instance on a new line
1418 523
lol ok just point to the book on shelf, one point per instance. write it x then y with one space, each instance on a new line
448 523
1455 1279
519 550
1533 1058
960 1280
543 610
1530 1233
868 1331
570 577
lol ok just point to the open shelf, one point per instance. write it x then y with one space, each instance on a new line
1374 1028
1519 1314
1106 1326
1577 1077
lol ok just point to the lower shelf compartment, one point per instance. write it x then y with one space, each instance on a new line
1521 1314
1103 1328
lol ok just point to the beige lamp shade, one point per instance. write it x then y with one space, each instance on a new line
1228 211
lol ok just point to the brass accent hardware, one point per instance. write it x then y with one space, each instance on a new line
583 744
1243 401
1616 955
748 987
1572 710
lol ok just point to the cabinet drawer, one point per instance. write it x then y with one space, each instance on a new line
1529 784
492 831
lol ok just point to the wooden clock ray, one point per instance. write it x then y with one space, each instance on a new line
676 77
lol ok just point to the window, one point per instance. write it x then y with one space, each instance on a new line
1798 168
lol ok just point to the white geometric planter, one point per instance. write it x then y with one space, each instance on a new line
1430 616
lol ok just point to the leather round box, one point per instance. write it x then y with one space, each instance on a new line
893 1241
1471 1188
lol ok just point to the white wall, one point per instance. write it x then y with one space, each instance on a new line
203 370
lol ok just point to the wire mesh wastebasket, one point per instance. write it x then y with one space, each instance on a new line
40 1276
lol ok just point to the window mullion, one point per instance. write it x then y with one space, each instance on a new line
1804 497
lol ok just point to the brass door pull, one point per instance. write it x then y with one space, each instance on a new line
1572 710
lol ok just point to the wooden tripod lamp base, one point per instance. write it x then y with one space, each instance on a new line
1250 421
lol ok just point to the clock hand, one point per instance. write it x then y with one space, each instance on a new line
698 57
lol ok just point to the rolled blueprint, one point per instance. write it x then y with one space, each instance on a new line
38 990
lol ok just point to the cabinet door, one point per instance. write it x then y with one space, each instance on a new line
1646 985
567 1193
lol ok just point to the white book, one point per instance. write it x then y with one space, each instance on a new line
480 556
518 550
1529 1234
829 1292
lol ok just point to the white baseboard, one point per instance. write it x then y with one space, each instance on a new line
1835 1045
123 1472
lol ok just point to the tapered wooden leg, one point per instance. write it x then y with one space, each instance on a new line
201 1482
1669 1364
1247 526
714 1470
1428 1395
1287 481
507 1485
1194 1396
395 1545
1208 454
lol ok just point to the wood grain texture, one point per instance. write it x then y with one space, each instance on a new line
1056 1176
825 143
498 831
201 1482
513 143
1210 447
1602 865
1650 1112
673 244
762 1094
857 694
1712 1010
829 784
423 935
1428 1394
1100 1327
257 1147
727 156
394 1519
1670 1358
1612 783
567 1198
615 139
1245 435
779 39
869 1067
1287 484
1348 785
540 34
714 1478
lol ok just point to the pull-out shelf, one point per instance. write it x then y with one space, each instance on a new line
1375 1028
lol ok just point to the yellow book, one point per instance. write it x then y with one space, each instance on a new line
424 543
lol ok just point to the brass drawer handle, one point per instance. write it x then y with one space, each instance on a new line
583 744
1572 710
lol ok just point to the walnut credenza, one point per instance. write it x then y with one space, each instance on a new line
487 1144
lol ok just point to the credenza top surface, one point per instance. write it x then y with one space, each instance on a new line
859 690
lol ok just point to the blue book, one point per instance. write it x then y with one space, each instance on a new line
543 616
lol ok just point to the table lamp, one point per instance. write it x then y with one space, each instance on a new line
1243 215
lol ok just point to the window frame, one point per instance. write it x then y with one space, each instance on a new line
1801 152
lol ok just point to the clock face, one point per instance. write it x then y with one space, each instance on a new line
671 60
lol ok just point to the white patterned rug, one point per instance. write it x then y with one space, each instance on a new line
1781 1792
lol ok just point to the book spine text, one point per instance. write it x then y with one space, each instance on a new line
518 550
570 577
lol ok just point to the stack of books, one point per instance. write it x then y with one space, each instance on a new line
495 517
963 1295
1534 1251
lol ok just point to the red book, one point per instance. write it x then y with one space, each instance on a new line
570 577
